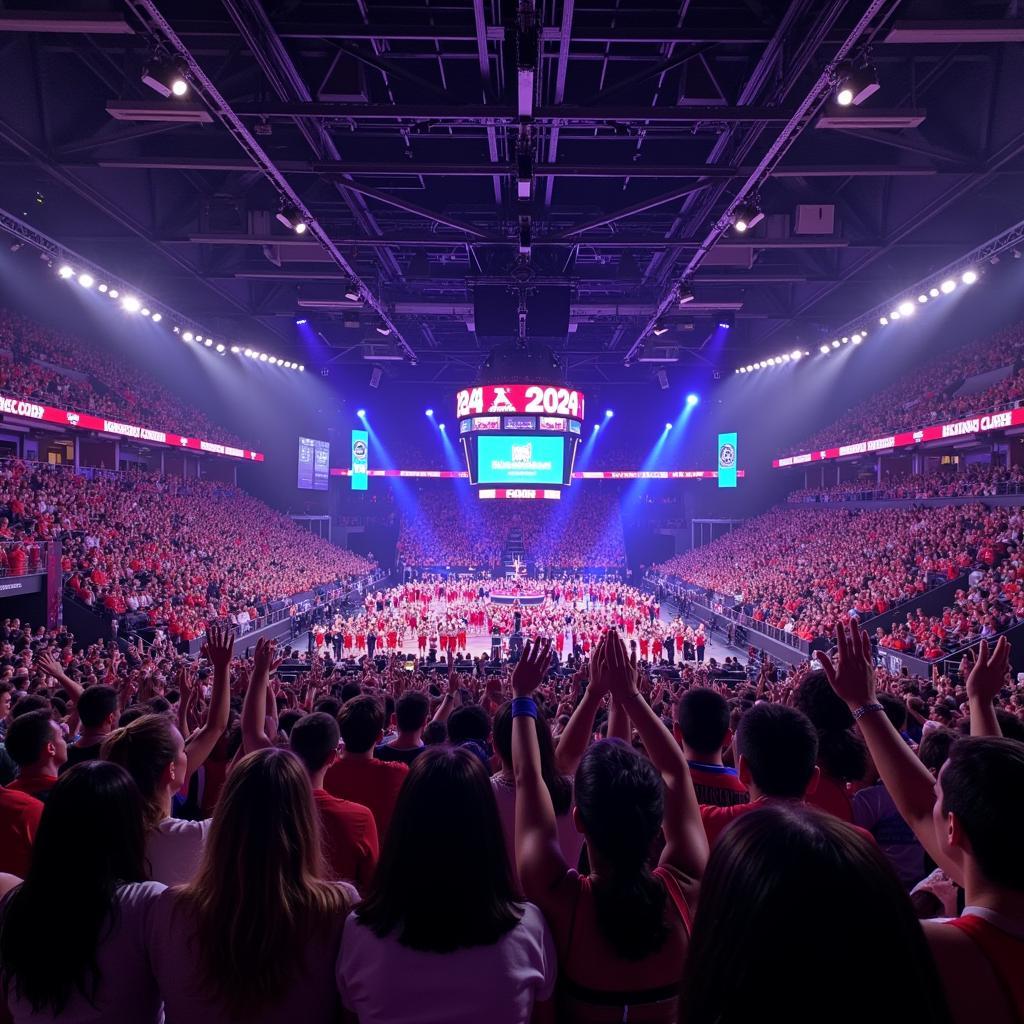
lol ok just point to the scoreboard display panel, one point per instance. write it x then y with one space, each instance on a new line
522 437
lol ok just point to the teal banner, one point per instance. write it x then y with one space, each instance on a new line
726 460
360 459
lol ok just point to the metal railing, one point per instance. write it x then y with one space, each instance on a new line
827 497
21 558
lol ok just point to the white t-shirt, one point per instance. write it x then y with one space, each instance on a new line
312 997
174 849
127 989
570 841
384 982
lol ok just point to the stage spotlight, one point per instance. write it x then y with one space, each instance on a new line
352 293
166 78
302 369
272 360
112 294
835 343
854 86
692 399
747 215
301 321
845 339
440 426
290 217
796 354
784 358
969 277
144 311
763 364
907 308
856 339
659 329
596 426
933 292
770 360
199 337
726 320
895 314
188 336
824 350
102 288
235 349
430 412
156 318
361 413
247 353
86 280
383 329
668 426
131 304
922 298
685 293
66 272
208 343
883 320
264 357
947 286
220 348
609 413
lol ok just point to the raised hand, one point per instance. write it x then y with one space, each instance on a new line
531 667
851 674
987 673
50 665
621 669
263 661
219 646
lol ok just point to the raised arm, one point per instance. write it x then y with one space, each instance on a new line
909 783
254 707
576 736
686 843
448 703
538 855
218 648
52 667
986 678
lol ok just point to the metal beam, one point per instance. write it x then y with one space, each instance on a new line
65 22
1006 30
629 211
476 114
159 27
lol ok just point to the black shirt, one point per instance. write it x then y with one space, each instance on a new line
387 752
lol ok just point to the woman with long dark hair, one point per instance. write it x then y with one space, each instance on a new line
255 935
90 836
622 931
799 911
444 885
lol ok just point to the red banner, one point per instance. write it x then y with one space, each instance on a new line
937 432
27 409
528 399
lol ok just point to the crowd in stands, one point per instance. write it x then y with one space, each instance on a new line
805 571
974 481
263 839
447 524
926 394
172 554
66 371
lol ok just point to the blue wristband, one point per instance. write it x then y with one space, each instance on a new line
524 706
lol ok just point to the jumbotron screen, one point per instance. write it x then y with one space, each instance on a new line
520 437
520 459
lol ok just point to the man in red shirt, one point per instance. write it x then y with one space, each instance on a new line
702 730
348 831
19 821
777 748
357 775
36 744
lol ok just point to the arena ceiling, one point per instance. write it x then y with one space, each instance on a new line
440 146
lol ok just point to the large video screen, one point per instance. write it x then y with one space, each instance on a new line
521 459
314 464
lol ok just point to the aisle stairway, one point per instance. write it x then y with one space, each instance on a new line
513 549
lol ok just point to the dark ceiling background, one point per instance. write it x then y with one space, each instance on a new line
399 127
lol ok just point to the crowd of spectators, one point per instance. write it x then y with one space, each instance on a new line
171 554
68 372
447 524
805 571
926 394
263 838
974 481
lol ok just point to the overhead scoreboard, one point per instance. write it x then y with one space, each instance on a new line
520 440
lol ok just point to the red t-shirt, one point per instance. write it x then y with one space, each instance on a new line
831 796
19 820
349 836
717 818
37 785
1003 951
374 784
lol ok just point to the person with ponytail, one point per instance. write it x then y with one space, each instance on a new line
622 931
254 936
161 762
72 934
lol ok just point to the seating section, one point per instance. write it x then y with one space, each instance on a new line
67 371
178 553
806 570
926 394
974 481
